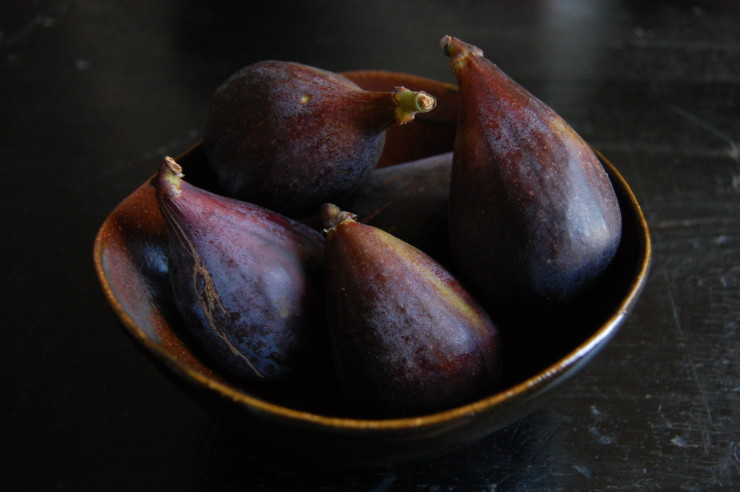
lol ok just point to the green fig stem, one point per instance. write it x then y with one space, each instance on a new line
410 103
458 50
332 216
170 177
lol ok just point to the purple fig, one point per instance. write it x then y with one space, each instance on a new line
408 200
291 137
247 281
534 220
407 338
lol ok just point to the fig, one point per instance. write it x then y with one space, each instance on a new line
290 137
409 201
247 281
406 337
533 218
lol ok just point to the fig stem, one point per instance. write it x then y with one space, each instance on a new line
458 50
409 103
332 216
170 177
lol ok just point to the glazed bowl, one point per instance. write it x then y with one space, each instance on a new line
310 418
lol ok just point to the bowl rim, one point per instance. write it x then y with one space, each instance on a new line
563 367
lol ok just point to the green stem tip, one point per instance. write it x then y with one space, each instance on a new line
412 102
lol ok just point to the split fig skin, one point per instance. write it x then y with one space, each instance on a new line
290 137
533 218
247 282
407 338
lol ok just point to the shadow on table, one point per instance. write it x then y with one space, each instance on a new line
502 459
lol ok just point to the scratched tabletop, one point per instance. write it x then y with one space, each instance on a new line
93 94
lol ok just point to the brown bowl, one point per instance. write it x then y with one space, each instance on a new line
132 268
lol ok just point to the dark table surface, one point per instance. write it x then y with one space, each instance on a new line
93 94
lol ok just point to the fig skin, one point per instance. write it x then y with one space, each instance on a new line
407 338
534 220
408 200
290 137
247 281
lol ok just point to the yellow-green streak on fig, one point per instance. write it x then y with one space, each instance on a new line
202 285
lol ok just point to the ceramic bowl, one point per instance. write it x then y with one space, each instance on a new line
310 418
